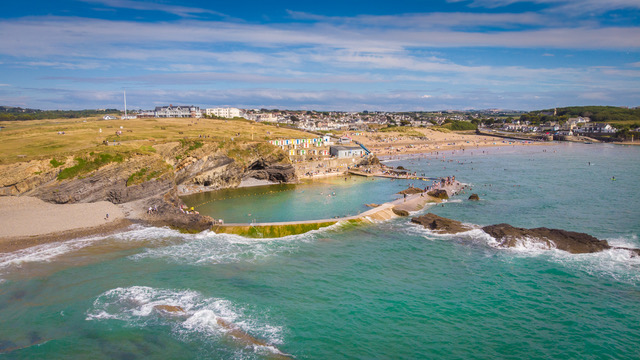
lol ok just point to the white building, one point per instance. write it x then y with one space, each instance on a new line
178 111
225 112
346 151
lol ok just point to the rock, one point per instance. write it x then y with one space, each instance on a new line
573 242
107 183
400 212
509 236
370 161
169 214
211 170
410 191
169 308
263 170
474 197
401 168
439 193
440 224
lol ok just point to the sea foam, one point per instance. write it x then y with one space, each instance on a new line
197 317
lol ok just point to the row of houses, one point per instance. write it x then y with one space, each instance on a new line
303 143
187 111
339 152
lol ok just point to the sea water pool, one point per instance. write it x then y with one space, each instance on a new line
310 200
388 290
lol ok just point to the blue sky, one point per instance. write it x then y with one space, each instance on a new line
400 55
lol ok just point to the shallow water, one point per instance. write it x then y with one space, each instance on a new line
321 199
386 290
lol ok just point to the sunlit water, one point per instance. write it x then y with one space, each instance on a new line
388 290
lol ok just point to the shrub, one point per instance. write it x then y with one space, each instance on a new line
55 163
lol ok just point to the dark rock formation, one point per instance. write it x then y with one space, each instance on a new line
370 161
401 168
439 193
169 214
573 242
411 190
262 170
212 170
440 224
400 212
106 184
474 197
509 236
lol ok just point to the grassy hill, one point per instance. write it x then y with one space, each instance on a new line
621 118
40 139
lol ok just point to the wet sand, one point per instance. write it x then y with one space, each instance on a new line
27 221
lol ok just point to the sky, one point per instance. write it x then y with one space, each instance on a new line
347 55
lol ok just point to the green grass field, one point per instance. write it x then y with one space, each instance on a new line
39 139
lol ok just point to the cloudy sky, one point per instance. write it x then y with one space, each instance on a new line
324 55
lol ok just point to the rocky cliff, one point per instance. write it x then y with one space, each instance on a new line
149 178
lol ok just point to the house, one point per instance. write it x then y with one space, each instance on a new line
178 111
109 117
225 112
597 128
346 151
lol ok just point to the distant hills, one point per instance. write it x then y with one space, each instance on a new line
10 113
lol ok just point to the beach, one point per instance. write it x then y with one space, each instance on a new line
27 221
382 144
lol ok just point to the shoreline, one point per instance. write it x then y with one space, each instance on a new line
397 208
123 215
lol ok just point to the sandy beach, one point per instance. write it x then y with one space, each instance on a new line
383 144
27 221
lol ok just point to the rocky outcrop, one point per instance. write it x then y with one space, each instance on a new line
410 191
263 170
107 183
169 214
439 193
440 224
22 177
370 161
400 212
474 197
509 236
573 242
210 170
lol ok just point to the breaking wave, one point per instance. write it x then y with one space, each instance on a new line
211 248
618 264
190 316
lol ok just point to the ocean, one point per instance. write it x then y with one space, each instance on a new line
388 290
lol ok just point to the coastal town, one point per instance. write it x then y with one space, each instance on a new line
495 119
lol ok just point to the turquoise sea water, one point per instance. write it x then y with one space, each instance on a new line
389 290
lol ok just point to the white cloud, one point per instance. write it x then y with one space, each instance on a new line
66 65
181 11
43 37
565 6
426 96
